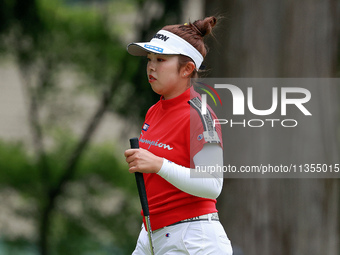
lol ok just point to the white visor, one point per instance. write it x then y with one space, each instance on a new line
167 43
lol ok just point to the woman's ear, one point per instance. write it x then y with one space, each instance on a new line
187 69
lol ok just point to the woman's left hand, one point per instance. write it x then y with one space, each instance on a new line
143 161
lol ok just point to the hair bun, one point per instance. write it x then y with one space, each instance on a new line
204 27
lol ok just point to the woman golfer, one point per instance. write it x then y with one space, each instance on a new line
175 138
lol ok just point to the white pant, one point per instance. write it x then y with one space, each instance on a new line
193 238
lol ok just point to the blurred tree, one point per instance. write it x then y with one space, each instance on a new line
281 39
45 37
85 216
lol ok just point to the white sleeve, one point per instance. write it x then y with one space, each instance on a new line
203 184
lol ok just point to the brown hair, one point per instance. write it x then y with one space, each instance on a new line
193 33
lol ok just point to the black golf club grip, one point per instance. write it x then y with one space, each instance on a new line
134 143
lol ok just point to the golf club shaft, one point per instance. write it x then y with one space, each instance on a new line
134 143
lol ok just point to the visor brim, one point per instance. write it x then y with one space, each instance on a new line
143 48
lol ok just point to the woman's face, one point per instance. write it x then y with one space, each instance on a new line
164 76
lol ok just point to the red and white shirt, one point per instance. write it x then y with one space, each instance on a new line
175 130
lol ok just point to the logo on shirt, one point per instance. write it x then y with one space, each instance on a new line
146 127
156 143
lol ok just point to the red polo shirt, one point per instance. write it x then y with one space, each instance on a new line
166 133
